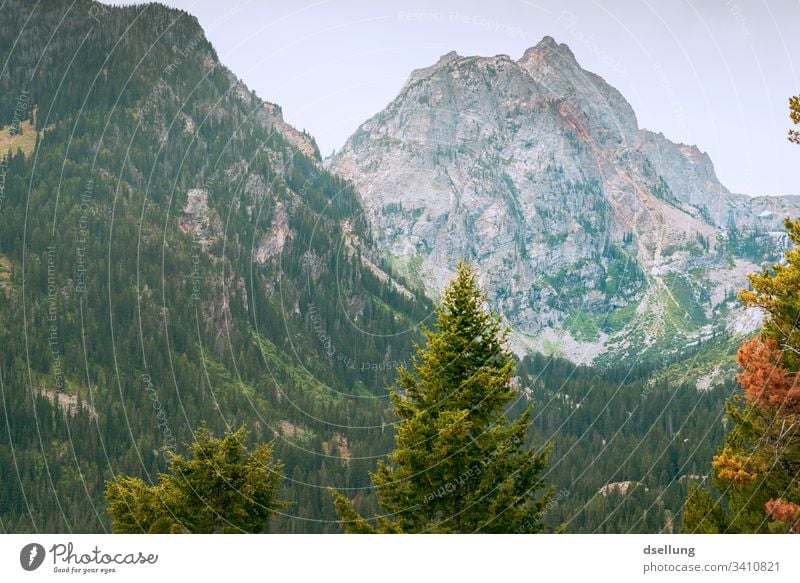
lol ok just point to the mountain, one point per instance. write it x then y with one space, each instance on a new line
174 254
597 239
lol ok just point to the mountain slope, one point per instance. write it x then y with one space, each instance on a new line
173 254
596 238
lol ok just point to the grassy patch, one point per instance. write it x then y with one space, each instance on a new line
280 361
222 378
25 140
582 326
688 310
551 348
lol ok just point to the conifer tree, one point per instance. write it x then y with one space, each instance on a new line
702 513
221 488
459 465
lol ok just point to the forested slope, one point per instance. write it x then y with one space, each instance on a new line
171 259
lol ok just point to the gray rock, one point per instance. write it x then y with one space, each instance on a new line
593 236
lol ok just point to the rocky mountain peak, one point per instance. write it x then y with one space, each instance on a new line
443 62
592 236
548 49
447 58
554 67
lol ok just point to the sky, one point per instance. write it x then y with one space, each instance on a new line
713 73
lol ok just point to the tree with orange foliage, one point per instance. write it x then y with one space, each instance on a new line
764 378
787 514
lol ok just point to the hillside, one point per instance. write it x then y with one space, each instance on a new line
173 254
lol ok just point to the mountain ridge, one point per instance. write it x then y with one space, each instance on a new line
536 169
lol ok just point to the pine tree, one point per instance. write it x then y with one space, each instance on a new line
459 464
221 488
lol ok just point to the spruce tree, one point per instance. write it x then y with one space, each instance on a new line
459 465
221 488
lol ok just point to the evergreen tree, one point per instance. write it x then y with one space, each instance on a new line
220 488
459 465
703 514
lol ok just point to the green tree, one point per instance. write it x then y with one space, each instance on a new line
703 514
459 464
220 488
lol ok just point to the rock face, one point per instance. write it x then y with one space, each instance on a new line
200 220
594 237
272 115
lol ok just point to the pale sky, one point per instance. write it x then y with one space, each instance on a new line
715 73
